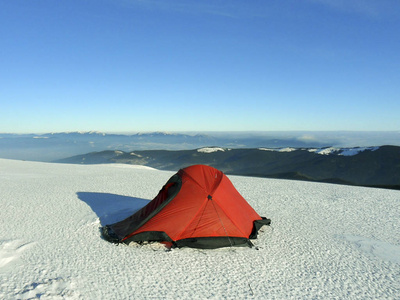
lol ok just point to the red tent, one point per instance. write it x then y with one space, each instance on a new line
198 207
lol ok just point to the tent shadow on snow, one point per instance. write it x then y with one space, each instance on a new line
111 208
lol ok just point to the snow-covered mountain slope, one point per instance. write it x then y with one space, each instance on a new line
326 241
326 150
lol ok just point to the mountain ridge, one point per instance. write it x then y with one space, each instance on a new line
57 145
371 166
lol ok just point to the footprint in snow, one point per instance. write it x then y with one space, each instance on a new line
375 248
54 288
10 252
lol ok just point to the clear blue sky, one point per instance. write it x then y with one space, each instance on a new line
175 65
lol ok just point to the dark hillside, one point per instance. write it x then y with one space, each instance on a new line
371 167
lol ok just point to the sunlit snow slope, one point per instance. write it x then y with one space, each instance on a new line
326 241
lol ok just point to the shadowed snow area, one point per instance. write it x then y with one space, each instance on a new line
326 241
111 208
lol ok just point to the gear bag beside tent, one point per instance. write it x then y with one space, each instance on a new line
198 207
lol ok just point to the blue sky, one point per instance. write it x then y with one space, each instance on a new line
211 65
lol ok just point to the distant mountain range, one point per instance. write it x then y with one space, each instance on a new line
52 146
280 155
367 166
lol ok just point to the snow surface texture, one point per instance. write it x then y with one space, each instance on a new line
326 241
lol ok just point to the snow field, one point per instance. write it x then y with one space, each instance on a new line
326 241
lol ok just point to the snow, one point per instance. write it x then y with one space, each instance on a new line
128 166
324 151
355 151
267 149
342 151
287 149
134 154
326 241
210 149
